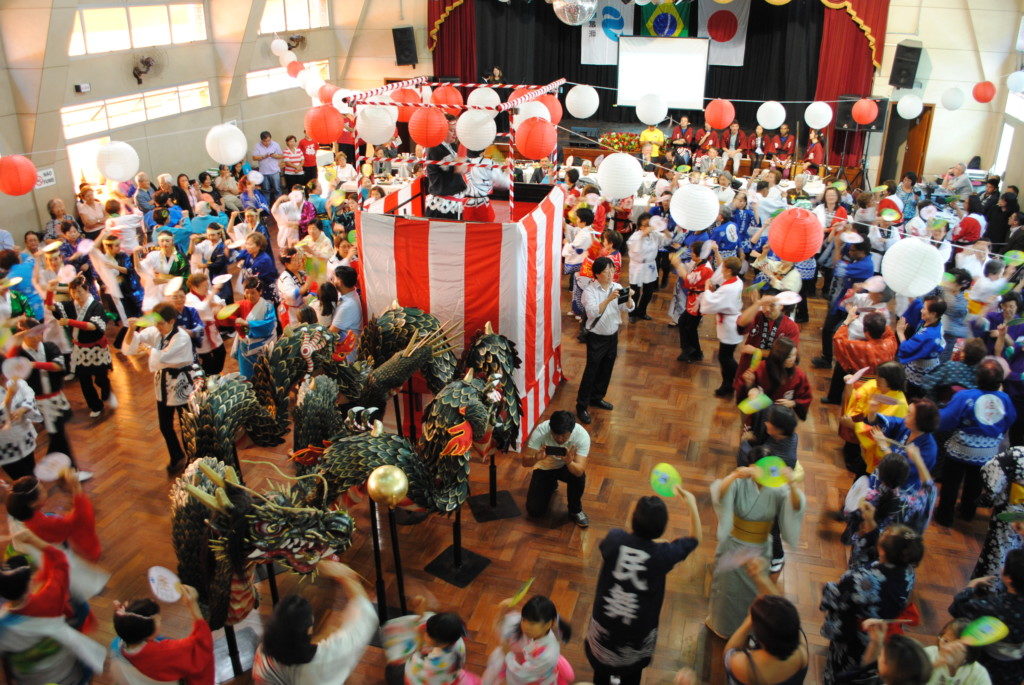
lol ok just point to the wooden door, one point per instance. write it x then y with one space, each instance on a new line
917 142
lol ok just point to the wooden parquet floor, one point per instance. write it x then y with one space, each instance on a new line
664 411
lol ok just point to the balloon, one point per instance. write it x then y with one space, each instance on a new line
375 124
326 93
536 138
447 95
795 235
226 144
984 91
406 95
553 106
953 99
582 101
278 47
912 267
287 58
719 114
476 129
529 110
324 124
694 207
619 176
484 97
651 109
771 115
910 106
294 68
118 161
1015 82
387 484
818 114
864 111
17 175
255 177
575 12
428 127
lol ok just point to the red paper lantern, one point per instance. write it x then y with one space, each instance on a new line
864 111
719 114
518 92
553 105
984 91
324 124
447 95
17 175
428 126
536 138
294 68
406 95
795 235
326 93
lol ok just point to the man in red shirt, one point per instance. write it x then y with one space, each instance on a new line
682 141
309 148
783 147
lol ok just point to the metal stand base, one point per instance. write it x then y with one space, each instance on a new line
504 507
234 650
443 566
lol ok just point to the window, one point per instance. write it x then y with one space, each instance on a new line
82 158
107 29
293 15
1003 151
273 80
94 117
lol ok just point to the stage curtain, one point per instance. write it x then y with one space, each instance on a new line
531 45
851 47
451 37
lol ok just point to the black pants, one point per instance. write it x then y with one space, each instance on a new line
955 473
727 363
59 439
664 268
836 385
543 484
92 378
601 352
309 173
603 674
826 280
212 362
689 334
806 292
832 322
21 468
165 416
646 293
290 180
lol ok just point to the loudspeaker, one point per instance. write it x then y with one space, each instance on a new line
904 64
405 46
844 114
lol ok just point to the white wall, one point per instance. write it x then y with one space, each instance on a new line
964 41
37 79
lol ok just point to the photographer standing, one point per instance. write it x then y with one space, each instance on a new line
603 301
557 451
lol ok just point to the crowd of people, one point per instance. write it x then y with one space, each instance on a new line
928 393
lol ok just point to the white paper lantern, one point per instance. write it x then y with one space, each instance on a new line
338 103
619 176
575 12
312 87
694 207
278 47
324 157
953 99
582 101
226 144
255 177
912 267
375 124
771 115
1015 82
651 109
818 114
528 110
910 106
484 97
118 161
286 58
476 129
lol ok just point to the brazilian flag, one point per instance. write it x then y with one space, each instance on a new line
668 20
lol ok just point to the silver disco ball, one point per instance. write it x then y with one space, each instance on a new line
575 12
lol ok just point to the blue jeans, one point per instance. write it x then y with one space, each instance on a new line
271 186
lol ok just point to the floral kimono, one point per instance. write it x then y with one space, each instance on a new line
1003 478
262 322
424 665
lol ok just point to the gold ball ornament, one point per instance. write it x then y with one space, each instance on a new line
387 485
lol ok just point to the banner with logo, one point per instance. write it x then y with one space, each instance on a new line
668 20
600 44
726 26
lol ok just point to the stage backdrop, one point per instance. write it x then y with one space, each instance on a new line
472 273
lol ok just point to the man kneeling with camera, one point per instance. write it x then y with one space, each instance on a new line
557 451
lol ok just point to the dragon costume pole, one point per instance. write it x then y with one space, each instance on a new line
399 574
382 600
457 538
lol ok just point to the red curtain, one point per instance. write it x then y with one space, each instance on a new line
852 41
451 36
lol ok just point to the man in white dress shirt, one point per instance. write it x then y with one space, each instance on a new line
604 316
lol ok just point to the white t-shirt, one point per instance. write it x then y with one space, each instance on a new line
969 674
541 437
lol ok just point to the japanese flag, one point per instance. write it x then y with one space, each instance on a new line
725 23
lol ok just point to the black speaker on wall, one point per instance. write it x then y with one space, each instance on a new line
904 64
405 46
844 114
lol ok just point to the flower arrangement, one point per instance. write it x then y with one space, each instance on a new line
622 142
